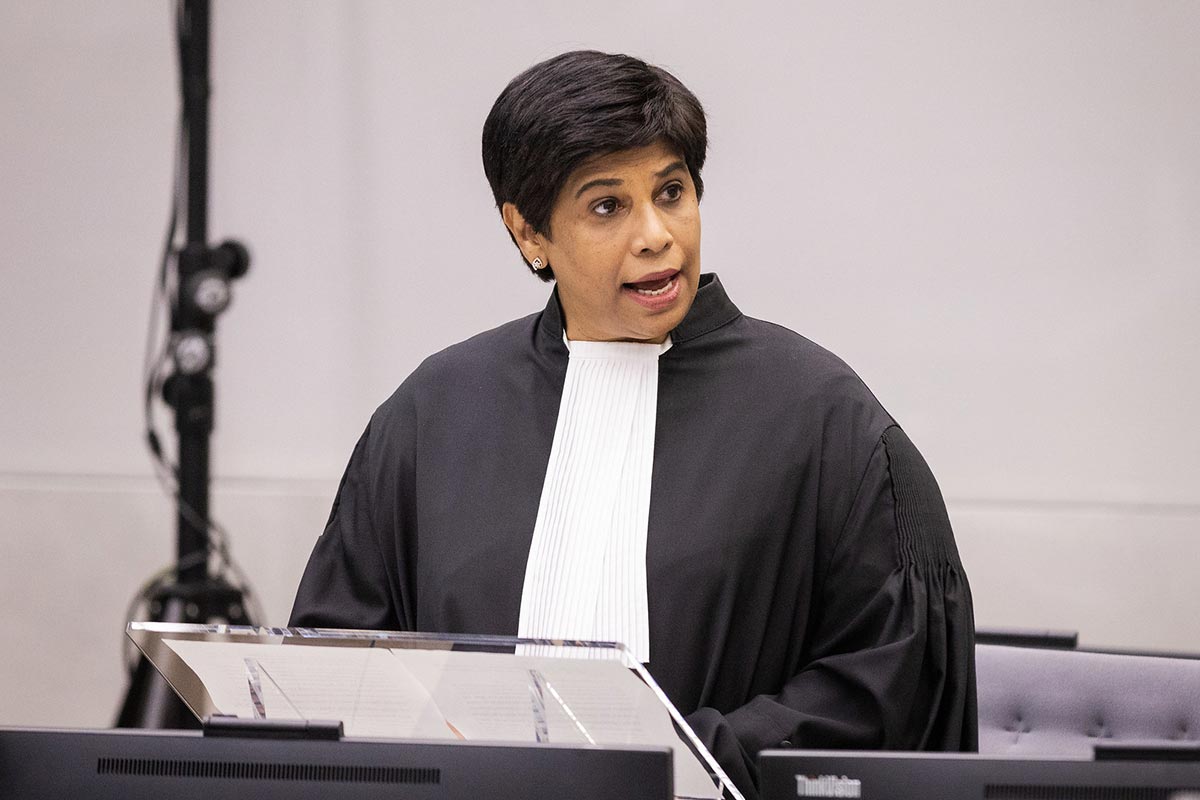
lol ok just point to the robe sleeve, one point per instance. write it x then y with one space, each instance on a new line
351 580
890 661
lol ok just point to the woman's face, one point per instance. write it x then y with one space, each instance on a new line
626 246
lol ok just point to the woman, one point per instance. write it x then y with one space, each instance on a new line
641 462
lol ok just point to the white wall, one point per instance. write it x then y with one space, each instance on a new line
991 210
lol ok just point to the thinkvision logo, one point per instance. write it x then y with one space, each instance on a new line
827 786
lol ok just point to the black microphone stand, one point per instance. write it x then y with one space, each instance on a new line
202 292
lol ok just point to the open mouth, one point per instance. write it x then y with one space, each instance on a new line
655 285
656 292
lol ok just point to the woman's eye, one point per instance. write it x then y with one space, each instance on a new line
672 192
605 208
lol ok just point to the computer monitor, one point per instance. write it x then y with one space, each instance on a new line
182 765
971 776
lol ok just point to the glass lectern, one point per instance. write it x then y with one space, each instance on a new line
427 687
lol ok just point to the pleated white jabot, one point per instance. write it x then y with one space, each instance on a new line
586 574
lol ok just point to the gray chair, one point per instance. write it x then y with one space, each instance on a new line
1051 702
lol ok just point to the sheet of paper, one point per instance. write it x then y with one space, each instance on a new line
502 697
368 689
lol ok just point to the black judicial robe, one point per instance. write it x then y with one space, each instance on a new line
804 585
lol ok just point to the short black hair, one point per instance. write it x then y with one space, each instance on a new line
573 107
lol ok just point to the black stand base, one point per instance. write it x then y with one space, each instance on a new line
150 702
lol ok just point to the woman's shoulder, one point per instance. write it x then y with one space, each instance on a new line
470 365
490 350
778 341
792 361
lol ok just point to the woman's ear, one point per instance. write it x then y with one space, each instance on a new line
531 242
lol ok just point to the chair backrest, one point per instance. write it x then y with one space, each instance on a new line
1062 702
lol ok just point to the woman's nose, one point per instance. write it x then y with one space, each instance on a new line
652 234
